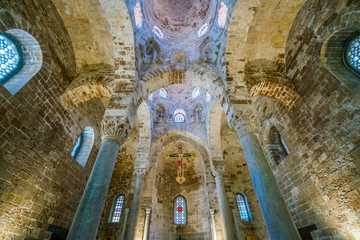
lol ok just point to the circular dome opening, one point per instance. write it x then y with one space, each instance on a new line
179 19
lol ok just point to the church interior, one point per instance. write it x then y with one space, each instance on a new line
180 119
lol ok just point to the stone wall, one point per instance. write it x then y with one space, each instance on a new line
319 178
120 184
40 182
237 179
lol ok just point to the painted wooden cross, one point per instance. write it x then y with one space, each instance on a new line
179 163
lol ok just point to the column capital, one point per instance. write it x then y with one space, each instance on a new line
115 127
212 211
127 210
242 122
147 211
218 171
218 168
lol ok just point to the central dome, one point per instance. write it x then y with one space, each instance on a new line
179 19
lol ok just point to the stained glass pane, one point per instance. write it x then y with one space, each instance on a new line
352 53
10 57
242 208
117 209
77 146
180 210
179 118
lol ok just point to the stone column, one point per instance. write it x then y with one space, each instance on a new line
147 223
88 214
223 204
213 226
278 221
122 236
135 204
238 233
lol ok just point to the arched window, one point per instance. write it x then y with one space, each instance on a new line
21 58
160 114
162 93
352 53
179 116
83 146
180 210
340 55
116 208
208 96
76 148
243 207
283 145
277 147
203 30
222 15
138 15
195 92
10 57
158 32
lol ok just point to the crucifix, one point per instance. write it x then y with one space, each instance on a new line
179 163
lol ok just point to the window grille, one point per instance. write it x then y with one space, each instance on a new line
180 211
117 209
10 57
352 53
243 207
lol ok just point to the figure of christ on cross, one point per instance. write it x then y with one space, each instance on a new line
179 163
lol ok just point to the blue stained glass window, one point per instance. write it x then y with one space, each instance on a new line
243 207
352 53
180 210
77 146
117 209
10 57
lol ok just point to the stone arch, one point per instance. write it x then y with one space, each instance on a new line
95 81
207 80
177 135
279 92
164 171
83 25
260 30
